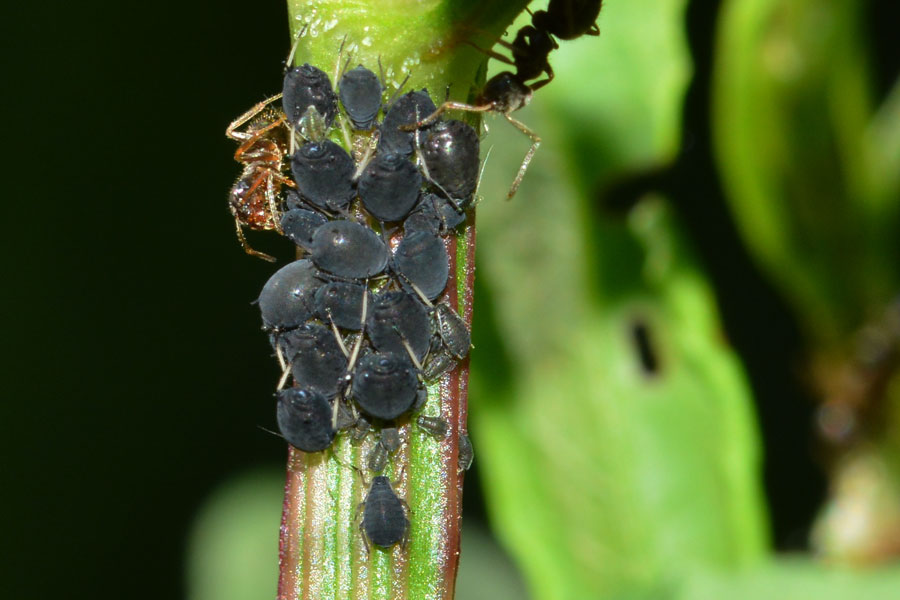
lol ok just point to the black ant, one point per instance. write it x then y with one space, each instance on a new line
507 92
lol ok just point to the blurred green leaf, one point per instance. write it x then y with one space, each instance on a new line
606 474
811 173
233 546
795 579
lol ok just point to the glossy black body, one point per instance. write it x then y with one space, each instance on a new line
409 108
324 172
389 186
299 225
450 150
304 419
287 298
385 385
398 315
316 358
306 86
434 214
342 302
348 249
421 259
360 93
384 518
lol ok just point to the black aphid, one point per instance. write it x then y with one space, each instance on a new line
453 330
304 419
405 111
387 444
299 225
348 249
569 19
287 298
389 186
385 385
360 93
435 426
342 302
396 316
384 517
450 151
466 453
316 359
434 214
421 259
324 175
306 86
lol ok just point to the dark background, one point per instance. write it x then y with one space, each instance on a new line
135 369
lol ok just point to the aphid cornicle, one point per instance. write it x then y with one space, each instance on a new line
384 520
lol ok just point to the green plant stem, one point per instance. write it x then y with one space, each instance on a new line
322 553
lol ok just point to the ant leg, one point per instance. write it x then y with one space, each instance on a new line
492 54
272 200
246 246
594 30
539 84
232 132
535 143
444 108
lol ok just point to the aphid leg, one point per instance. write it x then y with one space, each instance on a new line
246 246
481 175
284 377
409 350
234 134
280 355
535 143
337 335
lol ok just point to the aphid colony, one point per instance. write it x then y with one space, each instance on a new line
358 322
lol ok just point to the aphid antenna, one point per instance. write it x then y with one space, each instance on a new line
481 174
290 59
393 97
338 72
260 427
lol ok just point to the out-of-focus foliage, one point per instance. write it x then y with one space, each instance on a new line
811 166
603 474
